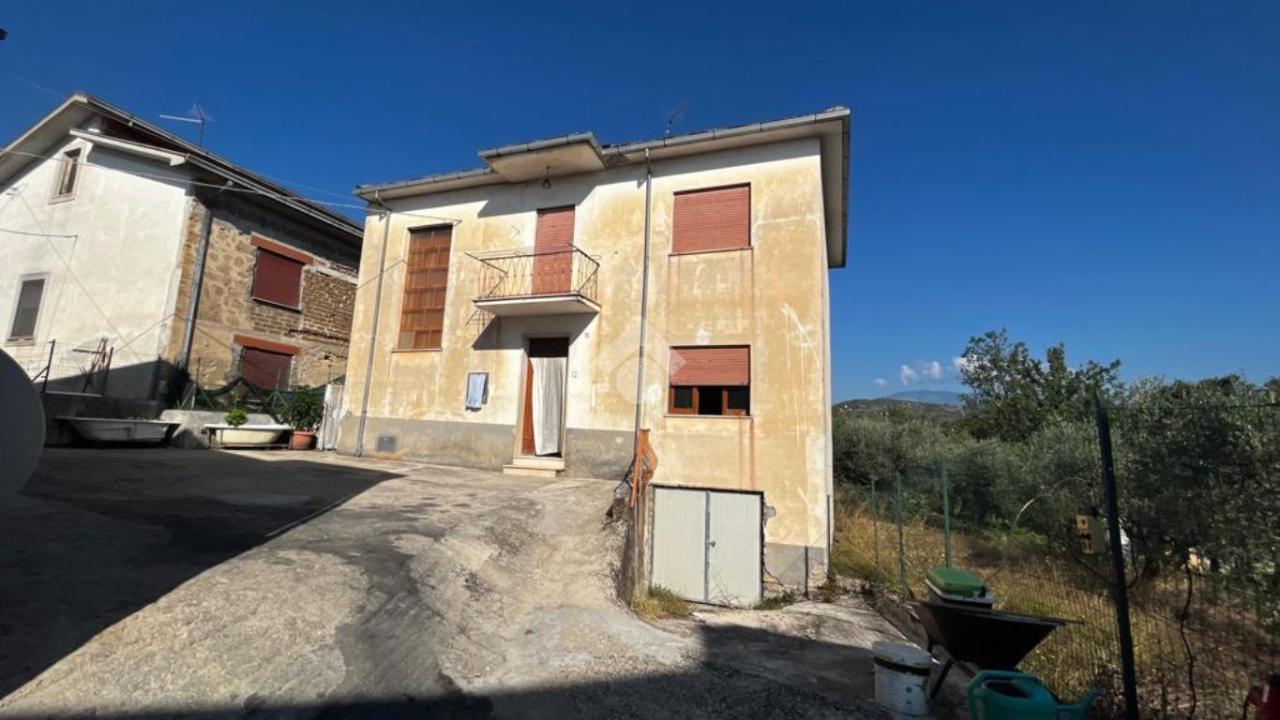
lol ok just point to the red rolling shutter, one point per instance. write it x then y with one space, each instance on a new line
711 366
277 279
552 261
715 219
266 369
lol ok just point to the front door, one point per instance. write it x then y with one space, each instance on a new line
546 371
553 251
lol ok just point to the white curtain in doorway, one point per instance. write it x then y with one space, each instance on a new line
548 403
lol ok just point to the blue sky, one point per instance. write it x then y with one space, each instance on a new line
1102 174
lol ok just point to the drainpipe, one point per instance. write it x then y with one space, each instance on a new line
644 300
373 330
197 282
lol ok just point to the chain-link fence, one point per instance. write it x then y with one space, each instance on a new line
1197 492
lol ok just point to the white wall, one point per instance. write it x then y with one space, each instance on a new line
115 277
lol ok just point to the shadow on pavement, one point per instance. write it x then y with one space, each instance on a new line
709 690
98 534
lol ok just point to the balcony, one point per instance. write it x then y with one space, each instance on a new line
549 282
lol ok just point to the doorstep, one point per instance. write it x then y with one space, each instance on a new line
532 466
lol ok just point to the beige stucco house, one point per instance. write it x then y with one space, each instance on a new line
533 313
128 254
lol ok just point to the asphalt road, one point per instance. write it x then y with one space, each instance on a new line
196 584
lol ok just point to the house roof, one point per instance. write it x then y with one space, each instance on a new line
581 152
151 141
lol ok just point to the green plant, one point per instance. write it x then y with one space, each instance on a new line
777 602
236 417
303 409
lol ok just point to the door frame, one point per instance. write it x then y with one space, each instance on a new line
649 523
525 406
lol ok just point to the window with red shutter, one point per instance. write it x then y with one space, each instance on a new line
426 284
710 381
265 369
277 279
712 219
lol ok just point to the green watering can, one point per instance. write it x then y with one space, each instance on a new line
1008 695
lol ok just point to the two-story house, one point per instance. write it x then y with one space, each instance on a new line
534 313
128 254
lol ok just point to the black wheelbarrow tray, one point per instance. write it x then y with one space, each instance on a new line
989 639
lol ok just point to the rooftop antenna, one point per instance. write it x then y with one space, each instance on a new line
195 115
675 115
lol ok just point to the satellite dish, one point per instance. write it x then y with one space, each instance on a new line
21 426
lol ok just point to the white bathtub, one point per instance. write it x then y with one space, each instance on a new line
120 429
222 435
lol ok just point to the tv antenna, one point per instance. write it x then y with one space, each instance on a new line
195 115
675 115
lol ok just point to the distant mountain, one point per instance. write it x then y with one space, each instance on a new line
930 397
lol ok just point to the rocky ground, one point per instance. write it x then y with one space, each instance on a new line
197 584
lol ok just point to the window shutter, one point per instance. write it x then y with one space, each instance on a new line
552 261
24 320
277 279
715 219
711 366
266 369
426 284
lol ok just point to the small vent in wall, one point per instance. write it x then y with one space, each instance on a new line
386 443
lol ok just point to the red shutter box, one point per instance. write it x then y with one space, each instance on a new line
714 219
711 366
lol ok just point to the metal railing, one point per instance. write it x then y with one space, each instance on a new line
64 367
518 274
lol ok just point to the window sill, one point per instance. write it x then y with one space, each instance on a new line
59 199
21 341
707 417
684 253
282 306
415 350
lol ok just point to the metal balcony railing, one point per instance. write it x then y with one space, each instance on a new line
509 275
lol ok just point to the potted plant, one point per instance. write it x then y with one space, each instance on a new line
303 410
236 417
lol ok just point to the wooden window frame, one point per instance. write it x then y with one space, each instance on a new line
698 390
750 240
68 173
444 303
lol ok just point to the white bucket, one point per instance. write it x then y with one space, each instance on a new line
902 677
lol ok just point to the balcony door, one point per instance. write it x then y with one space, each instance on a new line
553 251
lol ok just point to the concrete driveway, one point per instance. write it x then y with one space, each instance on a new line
196 584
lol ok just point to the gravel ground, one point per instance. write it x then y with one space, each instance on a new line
197 584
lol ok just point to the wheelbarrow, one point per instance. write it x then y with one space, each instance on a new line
989 639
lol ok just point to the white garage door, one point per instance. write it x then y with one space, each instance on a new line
706 545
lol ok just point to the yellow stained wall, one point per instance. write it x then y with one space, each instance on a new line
771 297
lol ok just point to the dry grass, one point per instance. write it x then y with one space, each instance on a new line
660 602
1028 578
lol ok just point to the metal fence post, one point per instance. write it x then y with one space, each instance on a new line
902 537
946 515
1121 590
48 369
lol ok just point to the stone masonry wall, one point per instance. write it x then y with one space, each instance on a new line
320 328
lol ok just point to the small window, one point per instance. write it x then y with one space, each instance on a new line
28 310
277 279
266 369
67 174
713 219
710 381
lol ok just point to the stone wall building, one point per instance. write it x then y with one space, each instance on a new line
115 234
536 313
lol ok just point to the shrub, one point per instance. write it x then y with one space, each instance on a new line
303 409
236 417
